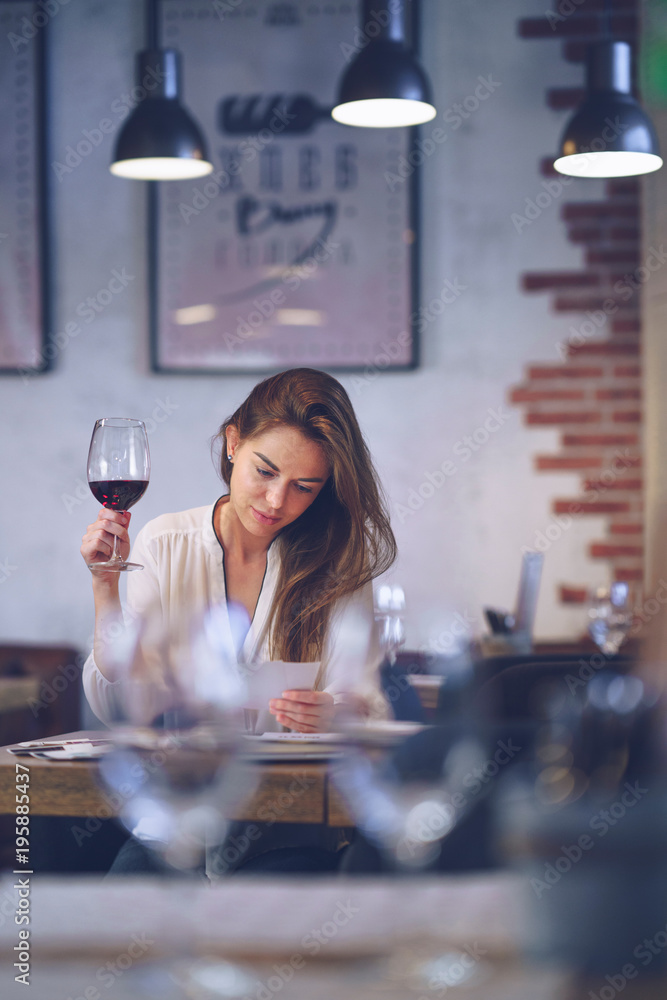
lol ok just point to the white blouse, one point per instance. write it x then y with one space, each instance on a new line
184 566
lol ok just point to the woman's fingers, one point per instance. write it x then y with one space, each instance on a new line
98 541
305 711
309 697
286 708
115 521
299 727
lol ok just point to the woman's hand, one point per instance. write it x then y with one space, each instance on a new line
304 711
97 543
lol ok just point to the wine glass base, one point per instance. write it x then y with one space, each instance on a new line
113 566
180 979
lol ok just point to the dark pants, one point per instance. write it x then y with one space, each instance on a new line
136 858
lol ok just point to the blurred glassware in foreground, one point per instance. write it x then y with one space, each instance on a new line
406 805
175 775
175 772
407 816
586 825
610 616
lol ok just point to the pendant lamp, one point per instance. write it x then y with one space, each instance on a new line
610 134
384 86
160 141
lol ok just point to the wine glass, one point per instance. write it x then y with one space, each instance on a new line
175 771
407 803
389 616
119 468
177 731
610 616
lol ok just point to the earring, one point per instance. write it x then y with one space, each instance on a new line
229 457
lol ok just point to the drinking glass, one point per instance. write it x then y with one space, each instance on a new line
119 468
408 802
175 773
177 732
389 616
408 815
610 616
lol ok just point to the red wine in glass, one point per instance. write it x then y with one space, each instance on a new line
118 494
118 473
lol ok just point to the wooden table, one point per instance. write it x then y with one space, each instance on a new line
287 792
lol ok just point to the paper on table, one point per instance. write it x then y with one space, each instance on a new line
82 751
268 680
298 737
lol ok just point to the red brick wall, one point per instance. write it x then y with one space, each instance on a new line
593 393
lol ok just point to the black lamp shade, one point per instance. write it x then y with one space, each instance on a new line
160 140
384 85
385 69
610 135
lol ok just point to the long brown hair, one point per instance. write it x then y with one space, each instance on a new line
344 538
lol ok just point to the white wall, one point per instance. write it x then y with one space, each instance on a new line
462 548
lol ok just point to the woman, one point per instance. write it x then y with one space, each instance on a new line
297 542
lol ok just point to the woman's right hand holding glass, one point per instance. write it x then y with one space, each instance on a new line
97 543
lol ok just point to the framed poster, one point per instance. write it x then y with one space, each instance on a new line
300 248
24 285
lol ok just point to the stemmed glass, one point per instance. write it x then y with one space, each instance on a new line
408 804
610 616
389 614
175 772
119 468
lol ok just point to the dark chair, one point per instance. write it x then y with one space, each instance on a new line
504 709
399 692
518 690
488 666
55 704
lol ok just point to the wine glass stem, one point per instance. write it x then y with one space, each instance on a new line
115 555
